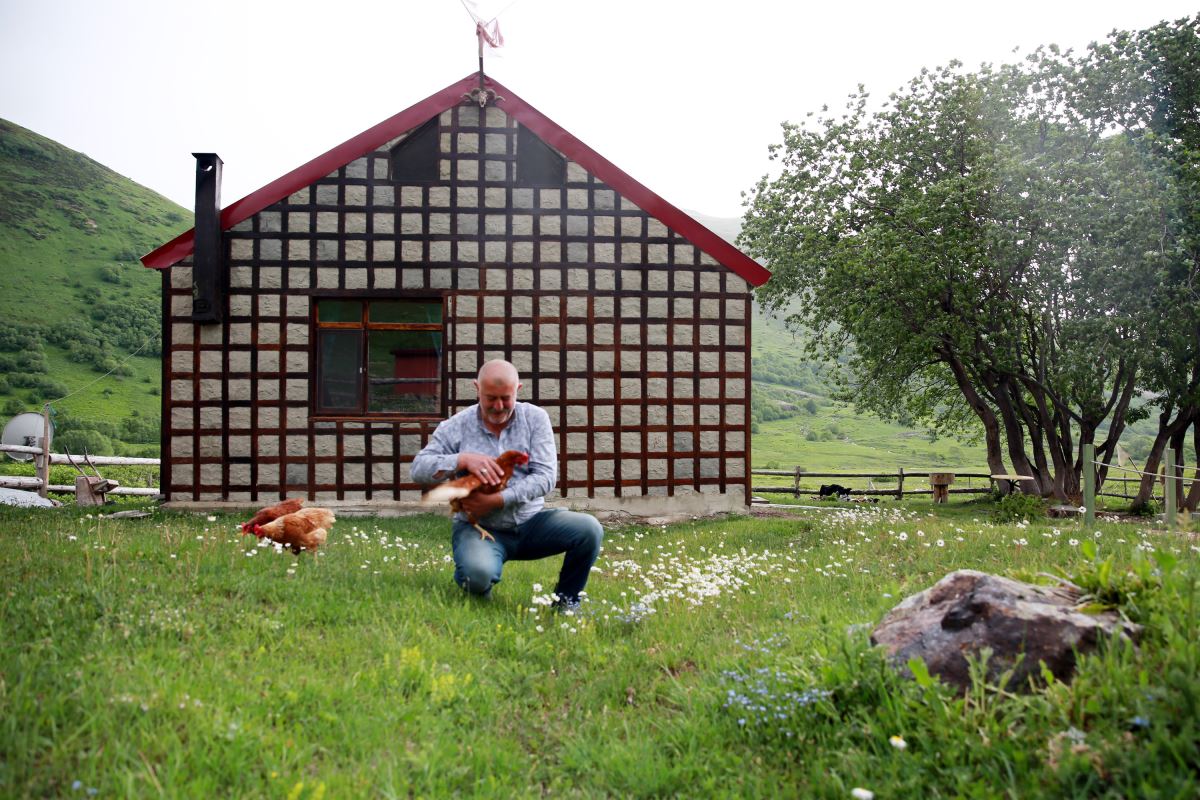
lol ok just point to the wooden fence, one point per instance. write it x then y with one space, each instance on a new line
913 477
42 485
899 476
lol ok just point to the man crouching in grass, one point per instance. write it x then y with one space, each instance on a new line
523 528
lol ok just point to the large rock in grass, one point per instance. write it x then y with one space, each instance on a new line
967 611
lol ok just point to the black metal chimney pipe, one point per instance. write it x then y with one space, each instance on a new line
207 272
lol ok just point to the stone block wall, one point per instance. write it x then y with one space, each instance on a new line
634 340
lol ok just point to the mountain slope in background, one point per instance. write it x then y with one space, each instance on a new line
63 217
75 302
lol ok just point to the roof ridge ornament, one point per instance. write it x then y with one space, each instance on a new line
485 32
482 95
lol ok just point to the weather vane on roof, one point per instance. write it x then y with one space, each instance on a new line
487 32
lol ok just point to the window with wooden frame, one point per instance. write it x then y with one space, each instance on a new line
379 356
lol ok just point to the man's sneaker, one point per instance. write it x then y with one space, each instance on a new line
566 605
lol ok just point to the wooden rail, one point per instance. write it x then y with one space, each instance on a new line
37 484
33 484
100 461
798 474
866 492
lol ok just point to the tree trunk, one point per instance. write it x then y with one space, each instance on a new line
1108 448
1050 429
1037 440
1193 497
1166 430
991 426
1014 433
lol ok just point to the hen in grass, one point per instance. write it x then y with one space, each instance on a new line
305 529
289 506
453 492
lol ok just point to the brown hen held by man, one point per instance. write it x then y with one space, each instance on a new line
455 491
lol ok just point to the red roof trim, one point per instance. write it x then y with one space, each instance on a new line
618 179
553 134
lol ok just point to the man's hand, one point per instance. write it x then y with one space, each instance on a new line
479 505
481 466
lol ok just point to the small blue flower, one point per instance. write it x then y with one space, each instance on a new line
77 785
1140 722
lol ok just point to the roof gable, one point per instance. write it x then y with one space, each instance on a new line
550 132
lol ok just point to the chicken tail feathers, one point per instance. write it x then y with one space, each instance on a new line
440 495
316 538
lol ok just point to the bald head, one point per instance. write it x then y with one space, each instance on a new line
499 371
497 385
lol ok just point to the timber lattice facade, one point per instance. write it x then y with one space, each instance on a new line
634 340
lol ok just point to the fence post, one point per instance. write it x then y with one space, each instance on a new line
1169 489
900 485
43 463
1089 483
796 488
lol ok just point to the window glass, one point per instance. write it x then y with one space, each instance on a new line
404 371
537 163
340 362
416 157
339 311
392 364
419 311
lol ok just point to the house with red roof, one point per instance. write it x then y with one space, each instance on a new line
316 331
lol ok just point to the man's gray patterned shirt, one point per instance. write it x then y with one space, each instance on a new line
528 431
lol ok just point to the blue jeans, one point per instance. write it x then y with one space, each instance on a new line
478 561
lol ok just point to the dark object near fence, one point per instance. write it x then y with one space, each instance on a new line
833 490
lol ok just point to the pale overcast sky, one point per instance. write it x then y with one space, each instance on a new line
684 96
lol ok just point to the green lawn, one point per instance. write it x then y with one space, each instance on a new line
171 657
858 444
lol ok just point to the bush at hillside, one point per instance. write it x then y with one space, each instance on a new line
83 440
18 338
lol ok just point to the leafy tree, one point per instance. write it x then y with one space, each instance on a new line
1147 83
82 440
974 238
139 430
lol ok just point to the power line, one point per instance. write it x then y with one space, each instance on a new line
105 375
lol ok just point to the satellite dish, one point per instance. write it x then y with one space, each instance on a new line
26 430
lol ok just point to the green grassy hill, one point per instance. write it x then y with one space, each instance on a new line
80 320
798 424
75 303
